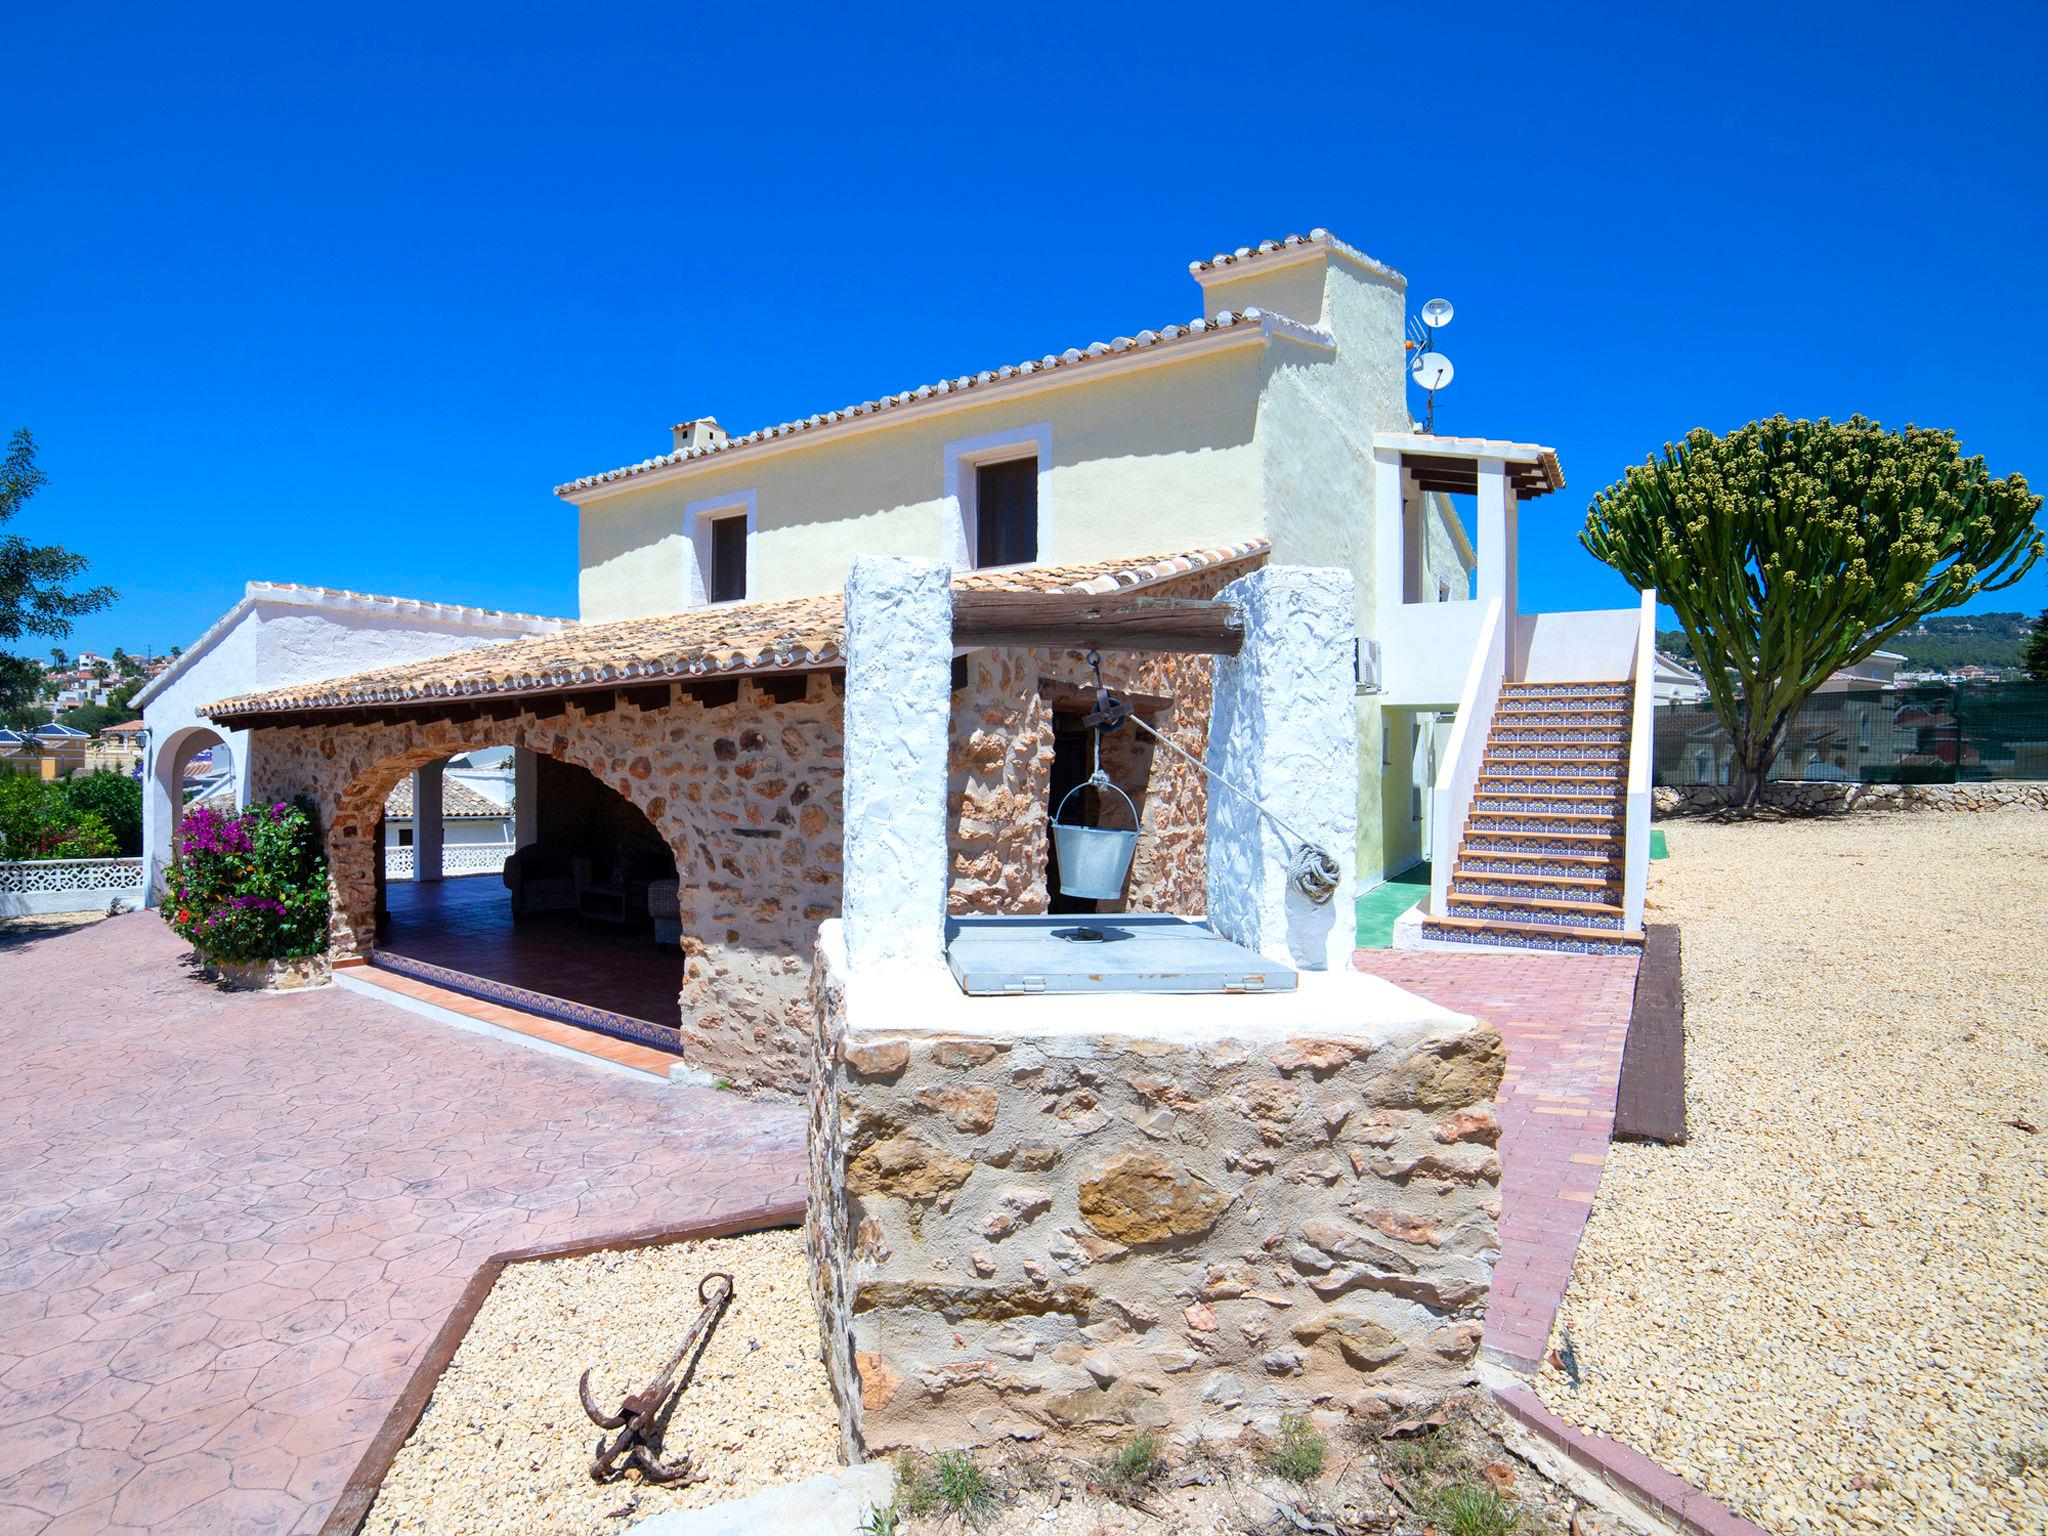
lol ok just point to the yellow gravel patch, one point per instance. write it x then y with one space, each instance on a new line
505 1444
1830 1309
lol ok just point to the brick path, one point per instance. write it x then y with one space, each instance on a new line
229 1225
1564 1018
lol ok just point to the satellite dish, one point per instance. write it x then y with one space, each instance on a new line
1436 314
1432 370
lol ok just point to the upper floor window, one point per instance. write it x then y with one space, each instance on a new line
726 581
1006 512
717 531
996 490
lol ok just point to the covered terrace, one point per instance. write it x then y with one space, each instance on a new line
721 730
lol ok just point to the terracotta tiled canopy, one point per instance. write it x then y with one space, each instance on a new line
724 641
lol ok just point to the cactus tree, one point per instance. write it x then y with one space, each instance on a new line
1789 549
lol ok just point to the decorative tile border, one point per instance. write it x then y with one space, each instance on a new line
1499 801
1509 823
1474 882
1493 912
1539 777
1536 735
1604 866
1485 844
1496 939
360 1491
603 1021
1565 690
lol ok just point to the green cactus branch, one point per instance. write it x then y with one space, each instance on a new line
1791 549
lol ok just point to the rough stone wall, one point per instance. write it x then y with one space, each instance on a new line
1702 799
1001 772
1058 1237
746 795
749 798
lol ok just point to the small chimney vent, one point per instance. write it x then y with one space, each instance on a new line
704 432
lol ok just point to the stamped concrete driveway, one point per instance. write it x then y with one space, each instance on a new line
229 1225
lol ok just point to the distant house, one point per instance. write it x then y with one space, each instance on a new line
1880 669
477 832
1677 683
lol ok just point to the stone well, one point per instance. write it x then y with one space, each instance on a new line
1056 1217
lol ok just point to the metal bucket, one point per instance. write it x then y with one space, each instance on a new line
1094 860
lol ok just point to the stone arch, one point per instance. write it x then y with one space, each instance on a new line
353 822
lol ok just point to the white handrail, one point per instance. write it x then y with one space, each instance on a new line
1641 753
1457 778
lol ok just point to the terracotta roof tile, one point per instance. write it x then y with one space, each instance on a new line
458 802
724 640
988 379
1244 255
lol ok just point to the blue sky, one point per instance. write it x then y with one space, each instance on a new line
337 294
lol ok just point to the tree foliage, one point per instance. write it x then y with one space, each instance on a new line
1789 549
36 592
2034 651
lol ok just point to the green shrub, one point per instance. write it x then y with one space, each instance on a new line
38 820
1299 1453
251 886
1467 1509
1136 1462
117 800
952 1482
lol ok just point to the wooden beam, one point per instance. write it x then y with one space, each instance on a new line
712 692
1108 622
1078 698
647 696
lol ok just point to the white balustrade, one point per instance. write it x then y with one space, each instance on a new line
34 886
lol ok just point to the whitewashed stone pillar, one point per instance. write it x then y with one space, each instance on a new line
426 821
899 671
1284 729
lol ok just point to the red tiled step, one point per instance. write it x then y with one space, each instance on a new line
624 1053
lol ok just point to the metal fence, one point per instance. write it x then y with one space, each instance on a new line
1941 733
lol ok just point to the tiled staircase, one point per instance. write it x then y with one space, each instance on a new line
1541 863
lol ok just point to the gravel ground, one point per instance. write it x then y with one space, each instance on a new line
1830 1308
506 1446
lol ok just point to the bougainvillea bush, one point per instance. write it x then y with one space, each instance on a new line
249 886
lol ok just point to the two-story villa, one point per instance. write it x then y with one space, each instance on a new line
680 746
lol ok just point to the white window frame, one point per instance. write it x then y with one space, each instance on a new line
964 456
698 516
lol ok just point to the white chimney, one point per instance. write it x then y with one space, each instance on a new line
704 432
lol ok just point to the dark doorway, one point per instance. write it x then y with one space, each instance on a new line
729 559
1072 758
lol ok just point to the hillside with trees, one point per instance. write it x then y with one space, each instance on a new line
1940 642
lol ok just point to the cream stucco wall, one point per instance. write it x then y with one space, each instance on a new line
1252 436
1147 461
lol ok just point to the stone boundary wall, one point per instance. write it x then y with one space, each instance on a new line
1702 799
1058 1236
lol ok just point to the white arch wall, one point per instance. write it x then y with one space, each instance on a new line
163 784
279 635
